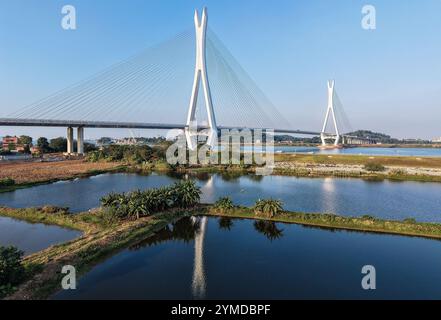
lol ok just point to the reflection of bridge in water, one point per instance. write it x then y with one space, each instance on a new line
199 282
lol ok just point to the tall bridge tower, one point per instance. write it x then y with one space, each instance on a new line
331 110
191 130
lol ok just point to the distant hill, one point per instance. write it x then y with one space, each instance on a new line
381 137
384 138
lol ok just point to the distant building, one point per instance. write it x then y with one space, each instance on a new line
436 140
10 142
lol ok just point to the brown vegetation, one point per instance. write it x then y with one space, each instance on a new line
28 172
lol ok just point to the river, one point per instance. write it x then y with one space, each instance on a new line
209 258
349 197
367 151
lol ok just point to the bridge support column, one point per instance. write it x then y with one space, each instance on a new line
70 140
80 140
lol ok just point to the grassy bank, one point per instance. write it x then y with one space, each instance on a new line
101 240
66 177
97 244
394 161
85 222
303 172
408 227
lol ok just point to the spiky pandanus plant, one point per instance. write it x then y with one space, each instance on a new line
223 205
268 207
186 194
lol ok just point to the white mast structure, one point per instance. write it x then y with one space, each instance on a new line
191 131
324 136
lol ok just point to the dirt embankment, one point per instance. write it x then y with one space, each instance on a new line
28 172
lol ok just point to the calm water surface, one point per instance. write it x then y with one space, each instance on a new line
240 259
410 152
385 199
30 237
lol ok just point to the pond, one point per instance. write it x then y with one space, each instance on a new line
350 197
213 258
30 237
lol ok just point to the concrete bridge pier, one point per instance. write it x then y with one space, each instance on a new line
80 140
70 140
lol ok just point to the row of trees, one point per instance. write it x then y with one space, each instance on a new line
59 145
44 145
128 153
263 207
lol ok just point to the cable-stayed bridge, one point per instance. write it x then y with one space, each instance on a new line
147 91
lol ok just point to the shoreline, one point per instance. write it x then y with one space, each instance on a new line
100 241
95 245
297 165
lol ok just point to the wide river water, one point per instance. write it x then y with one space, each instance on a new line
240 259
370 151
213 258
350 197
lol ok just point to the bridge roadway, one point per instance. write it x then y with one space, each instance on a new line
8 122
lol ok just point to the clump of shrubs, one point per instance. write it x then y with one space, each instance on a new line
268 208
398 172
223 205
374 167
54 210
137 204
7 182
131 154
12 272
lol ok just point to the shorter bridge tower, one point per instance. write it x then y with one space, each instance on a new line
331 110
191 130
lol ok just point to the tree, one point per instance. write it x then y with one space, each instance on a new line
25 140
104 141
11 269
11 146
43 144
58 144
89 147
268 207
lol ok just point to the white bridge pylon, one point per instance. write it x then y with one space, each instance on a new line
191 130
324 136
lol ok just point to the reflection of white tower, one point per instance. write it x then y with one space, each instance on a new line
208 192
199 284
201 76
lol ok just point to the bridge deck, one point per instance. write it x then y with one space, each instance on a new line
7 122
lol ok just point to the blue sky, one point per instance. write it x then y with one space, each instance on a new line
389 79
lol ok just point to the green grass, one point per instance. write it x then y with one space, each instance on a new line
87 174
401 161
408 227
98 242
86 222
